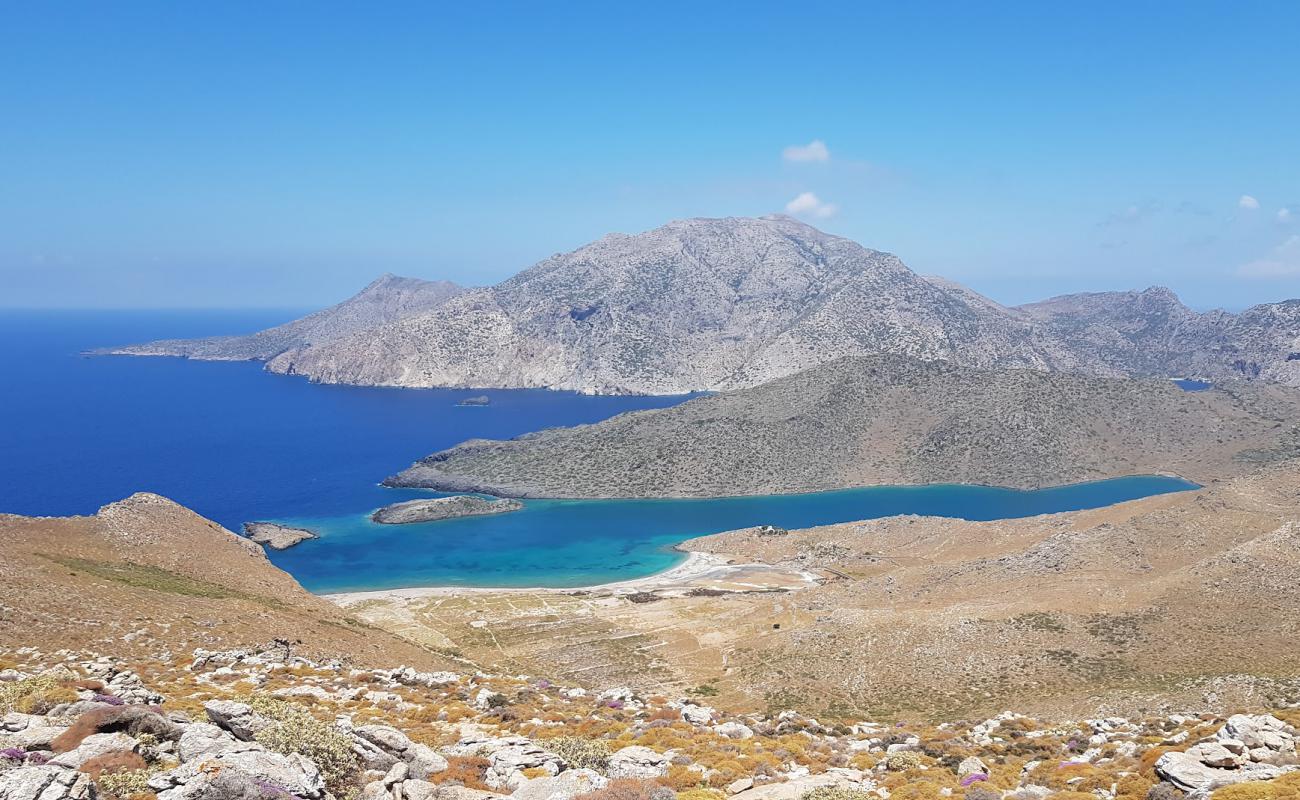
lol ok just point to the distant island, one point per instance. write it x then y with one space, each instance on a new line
477 400
441 508
720 304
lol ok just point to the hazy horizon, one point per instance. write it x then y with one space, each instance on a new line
254 156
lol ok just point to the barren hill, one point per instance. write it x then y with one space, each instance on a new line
145 575
1177 601
888 420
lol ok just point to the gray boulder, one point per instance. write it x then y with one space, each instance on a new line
203 739
637 762
564 786
192 780
238 718
382 747
94 746
46 782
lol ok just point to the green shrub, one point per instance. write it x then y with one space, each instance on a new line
903 760
579 753
34 695
123 784
295 730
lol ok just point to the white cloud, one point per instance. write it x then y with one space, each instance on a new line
1282 262
1249 202
1284 215
809 205
813 151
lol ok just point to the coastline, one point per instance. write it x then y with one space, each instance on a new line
698 569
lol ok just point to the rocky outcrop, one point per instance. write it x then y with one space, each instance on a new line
388 299
276 536
1247 748
440 508
887 420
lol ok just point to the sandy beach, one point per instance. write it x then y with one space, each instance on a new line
709 570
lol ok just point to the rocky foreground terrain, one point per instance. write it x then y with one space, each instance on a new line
888 420
714 304
247 725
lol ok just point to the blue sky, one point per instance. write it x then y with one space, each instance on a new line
284 153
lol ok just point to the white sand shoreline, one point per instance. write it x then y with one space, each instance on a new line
697 567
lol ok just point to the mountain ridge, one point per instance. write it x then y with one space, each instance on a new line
710 304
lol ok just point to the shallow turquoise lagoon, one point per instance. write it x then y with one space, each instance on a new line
567 543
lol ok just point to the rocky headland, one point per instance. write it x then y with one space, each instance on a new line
440 508
386 300
277 536
888 420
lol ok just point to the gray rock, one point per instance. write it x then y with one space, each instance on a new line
440 508
202 739
381 747
972 766
45 783
637 762
1259 731
734 730
564 786
238 718
275 536
294 773
1187 772
697 715
1215 754
94 746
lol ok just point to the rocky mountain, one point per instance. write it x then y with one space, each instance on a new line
696 304
888 420
388 299
715 304
1153 333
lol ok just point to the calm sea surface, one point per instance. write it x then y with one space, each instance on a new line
237 444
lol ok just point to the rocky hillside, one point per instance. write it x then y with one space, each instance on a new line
388 299
244 725
1153 333
709 304
695 304
129 578
888 420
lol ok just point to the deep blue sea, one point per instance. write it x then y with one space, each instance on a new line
237 444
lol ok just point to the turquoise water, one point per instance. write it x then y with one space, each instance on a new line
566 543
237 444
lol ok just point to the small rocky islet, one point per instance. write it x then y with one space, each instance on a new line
440 508
276 536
